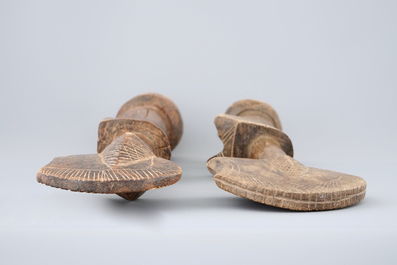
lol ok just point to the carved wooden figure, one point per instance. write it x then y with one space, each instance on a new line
256 163
133 152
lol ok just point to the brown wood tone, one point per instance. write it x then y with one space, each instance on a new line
133 153
158 109
152 135
256 163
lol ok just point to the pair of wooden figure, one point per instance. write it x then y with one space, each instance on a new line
256 163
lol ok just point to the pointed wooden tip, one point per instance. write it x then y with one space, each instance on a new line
131 196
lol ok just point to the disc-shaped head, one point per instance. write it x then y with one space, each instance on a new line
126 165
283 182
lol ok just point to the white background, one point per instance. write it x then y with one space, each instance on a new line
329 68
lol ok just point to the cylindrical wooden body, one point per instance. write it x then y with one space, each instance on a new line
146 114
255 111
157 109
248 127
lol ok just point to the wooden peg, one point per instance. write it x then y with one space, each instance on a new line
256 163
133 152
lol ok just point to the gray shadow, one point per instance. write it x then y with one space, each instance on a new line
149 207
146 212
246 204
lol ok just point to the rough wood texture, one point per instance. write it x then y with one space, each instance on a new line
158 109
133 153
152 135
257 164
244 138
126 165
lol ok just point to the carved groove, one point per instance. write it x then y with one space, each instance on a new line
274 177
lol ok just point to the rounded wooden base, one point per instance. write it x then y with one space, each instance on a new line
127 166
283 182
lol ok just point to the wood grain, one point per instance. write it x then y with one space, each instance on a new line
158 109
257 164
133 153
126 165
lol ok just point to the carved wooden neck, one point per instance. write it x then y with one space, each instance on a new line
147 113
271 151
157 109
154 118
248 128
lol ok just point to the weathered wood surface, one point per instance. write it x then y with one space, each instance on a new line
158 109
257 164
152 135
133 152
244 138
126 165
